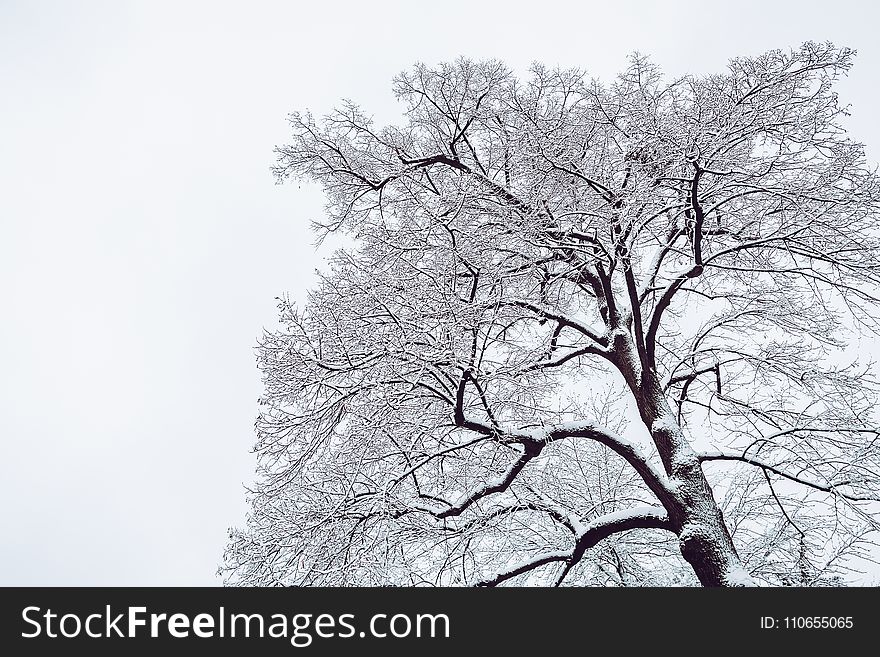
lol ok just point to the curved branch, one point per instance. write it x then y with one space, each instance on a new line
647 517
495 485
624 448
525 567
534 442
563 359
662 305
563 320
827 488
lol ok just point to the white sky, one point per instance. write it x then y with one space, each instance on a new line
142 240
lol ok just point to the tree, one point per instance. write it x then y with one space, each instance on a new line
536 261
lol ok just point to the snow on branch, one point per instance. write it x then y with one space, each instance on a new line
602 527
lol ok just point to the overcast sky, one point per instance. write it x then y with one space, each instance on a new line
143 239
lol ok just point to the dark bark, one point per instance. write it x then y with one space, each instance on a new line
704 539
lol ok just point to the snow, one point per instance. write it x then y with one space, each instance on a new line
664 423
739 576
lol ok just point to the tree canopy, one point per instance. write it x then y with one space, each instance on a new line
588 333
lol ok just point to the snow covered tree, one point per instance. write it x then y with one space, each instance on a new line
587 334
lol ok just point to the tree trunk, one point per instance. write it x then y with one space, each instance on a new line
703 536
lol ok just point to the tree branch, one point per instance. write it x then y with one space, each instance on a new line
563 320
495 485
648 517
624 448
720 455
